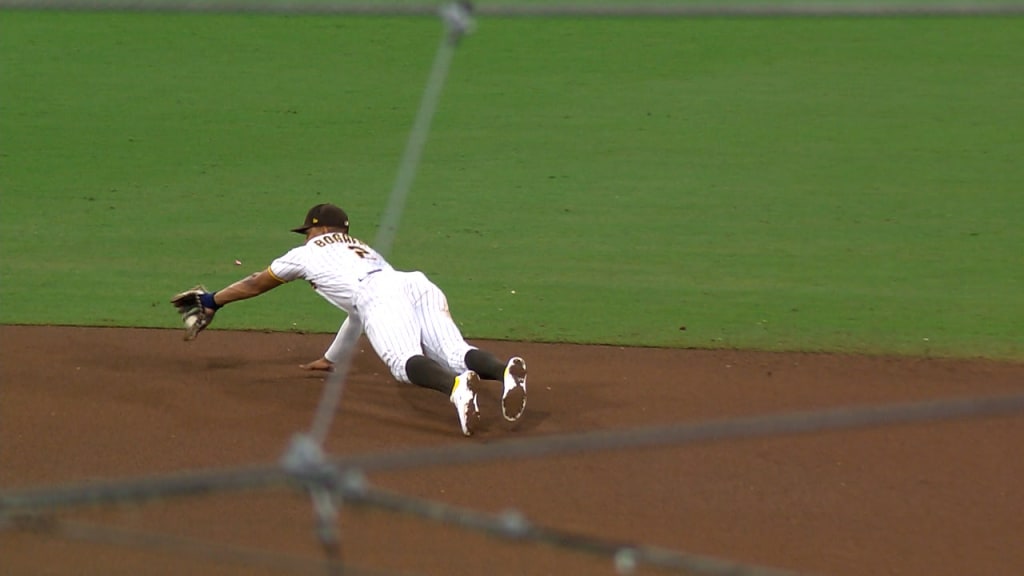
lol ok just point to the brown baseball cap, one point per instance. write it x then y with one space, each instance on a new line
324 215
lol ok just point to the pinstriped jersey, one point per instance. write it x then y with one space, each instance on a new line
334 264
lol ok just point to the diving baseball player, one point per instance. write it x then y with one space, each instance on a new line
404 315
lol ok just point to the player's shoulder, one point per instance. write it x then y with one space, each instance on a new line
296 254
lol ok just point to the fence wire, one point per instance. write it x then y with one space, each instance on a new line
38 500
457 23
344 476
539 9
512 525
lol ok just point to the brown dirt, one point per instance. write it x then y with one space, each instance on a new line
84 404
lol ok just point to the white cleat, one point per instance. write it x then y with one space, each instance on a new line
464 398
513 401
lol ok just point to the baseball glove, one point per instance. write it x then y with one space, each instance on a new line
194 315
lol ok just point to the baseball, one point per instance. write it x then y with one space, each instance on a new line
238 262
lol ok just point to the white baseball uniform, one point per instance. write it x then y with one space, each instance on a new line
403 313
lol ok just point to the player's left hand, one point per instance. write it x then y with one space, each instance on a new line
319 364
194 315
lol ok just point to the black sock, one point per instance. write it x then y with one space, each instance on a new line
485 364
423 371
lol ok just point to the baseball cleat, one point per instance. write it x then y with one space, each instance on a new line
464 398
513 401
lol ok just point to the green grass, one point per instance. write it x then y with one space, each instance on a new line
781 184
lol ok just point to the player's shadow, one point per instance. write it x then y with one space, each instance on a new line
374 395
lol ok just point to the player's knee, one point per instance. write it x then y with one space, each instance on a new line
396 364
398 371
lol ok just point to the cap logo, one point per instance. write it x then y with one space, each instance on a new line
315 220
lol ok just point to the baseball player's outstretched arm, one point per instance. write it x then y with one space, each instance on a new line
198 306
248 287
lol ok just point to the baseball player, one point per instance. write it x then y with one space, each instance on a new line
404 315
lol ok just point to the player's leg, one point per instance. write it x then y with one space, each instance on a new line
397 343
443 340
511 373
428 373
461 389
395 336
392 326
484 363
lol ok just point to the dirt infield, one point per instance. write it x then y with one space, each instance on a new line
89 404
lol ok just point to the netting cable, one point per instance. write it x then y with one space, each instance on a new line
457 23
806 422
344 475
305 454
541 9
46 499
512 525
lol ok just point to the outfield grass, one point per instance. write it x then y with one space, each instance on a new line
782 184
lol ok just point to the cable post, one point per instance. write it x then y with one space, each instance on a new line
458 19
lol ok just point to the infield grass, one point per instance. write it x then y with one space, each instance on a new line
819 184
